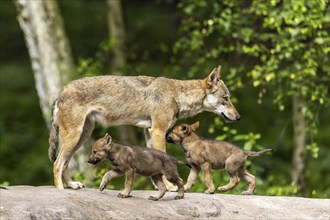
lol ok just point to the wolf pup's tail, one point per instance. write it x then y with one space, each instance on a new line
257 153
53 135
181 162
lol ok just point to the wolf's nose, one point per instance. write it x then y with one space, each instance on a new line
238 118
169 139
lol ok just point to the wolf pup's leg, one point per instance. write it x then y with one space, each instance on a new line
192 177
107 177
232 166
178 181
157 179
251 180
208 178
128 184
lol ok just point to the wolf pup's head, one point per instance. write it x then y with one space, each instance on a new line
100 149
180 132
217 99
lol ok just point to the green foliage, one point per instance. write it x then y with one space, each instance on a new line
5 183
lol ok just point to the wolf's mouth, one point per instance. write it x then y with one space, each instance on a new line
226 118
94 161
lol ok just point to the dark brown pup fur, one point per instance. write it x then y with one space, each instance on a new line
129 160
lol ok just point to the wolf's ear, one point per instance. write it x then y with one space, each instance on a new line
185 129
213 77
107 139
195 126
219 71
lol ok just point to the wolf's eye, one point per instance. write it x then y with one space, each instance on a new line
94 151
226 97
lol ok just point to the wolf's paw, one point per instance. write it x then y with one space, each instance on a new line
186 188
153 198
222 189
75 185
102 186
171 188
247 193
120 195
178 197
209 191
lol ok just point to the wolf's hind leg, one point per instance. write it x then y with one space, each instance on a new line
192 177
83 137
157 179
251 180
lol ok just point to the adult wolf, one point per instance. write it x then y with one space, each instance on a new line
153 103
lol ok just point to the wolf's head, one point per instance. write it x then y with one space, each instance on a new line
217 99
180 132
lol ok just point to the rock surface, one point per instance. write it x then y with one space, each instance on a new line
46 202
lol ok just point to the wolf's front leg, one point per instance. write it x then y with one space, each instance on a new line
157 179
107 177
148 137
208 178
157 136
128 184
192 177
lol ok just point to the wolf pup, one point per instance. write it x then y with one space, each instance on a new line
210 154
129 160
148 102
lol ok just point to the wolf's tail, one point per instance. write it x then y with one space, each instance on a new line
257 153
53 135
181 162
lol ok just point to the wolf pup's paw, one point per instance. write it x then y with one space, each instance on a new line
247 193
172 188
209 191
186 188
102 186
153 198
222 189
120 195
178 197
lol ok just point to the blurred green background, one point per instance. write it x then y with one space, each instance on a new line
270 52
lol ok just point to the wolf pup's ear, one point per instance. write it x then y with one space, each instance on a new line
185 129
107 139
195 126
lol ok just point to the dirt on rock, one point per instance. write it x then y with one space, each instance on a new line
46 202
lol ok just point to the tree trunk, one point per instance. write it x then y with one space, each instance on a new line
48 47
51 57
299 151
118 62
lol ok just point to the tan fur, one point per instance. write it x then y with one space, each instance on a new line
151 103
210 154
129 160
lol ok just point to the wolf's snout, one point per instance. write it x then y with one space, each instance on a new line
238 117
93 160
169 139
